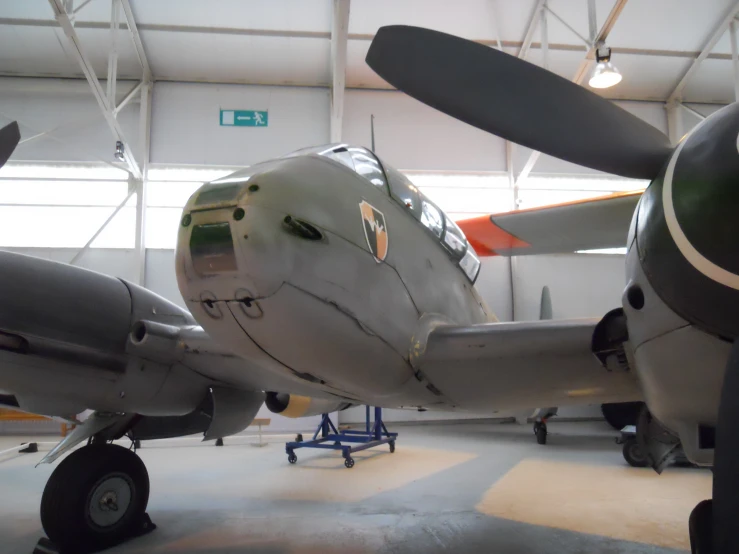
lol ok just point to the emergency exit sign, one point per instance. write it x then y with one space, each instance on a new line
244 118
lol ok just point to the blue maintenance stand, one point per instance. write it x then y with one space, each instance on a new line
374 434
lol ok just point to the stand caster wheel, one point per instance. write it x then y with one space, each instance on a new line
700 527
633 454
136 444
96 498
392 446
540 430
219 442
292 458
349 462
299 437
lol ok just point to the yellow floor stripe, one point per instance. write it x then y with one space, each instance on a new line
619 502
321 476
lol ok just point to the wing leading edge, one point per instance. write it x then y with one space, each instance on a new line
509 366
590 224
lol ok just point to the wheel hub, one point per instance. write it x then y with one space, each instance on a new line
110 500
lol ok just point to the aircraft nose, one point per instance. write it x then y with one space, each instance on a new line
231 251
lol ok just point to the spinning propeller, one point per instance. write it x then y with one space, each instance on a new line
698 193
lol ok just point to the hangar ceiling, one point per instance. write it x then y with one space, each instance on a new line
654 42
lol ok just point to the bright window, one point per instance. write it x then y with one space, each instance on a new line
63 206
168 190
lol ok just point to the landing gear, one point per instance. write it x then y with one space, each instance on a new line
700 527
96 498
633 454
540 430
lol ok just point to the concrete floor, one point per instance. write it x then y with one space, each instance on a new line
461 488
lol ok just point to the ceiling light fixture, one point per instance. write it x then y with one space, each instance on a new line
605 73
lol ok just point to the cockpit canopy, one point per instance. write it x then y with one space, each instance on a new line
402 190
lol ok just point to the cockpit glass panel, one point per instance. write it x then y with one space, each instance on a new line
454 239
431 217
359 160
368 166
403 191
470 264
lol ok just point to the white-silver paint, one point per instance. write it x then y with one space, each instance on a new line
695 258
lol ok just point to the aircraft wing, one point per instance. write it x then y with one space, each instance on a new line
590 224
520 365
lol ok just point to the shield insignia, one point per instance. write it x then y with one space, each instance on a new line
375 230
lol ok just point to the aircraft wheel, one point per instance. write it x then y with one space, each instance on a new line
540 430
349 462
633 454
95 498
700 527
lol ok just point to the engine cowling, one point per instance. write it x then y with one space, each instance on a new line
294 406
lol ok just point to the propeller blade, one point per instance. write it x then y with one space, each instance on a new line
10 136
517 101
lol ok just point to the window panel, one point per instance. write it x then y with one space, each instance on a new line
46 171
198 175
474 200
65 227
162 225
170 194
603 184
459 180
537 198
61 193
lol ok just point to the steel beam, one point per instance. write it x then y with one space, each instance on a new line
735 57
715 36
115 24
86 247
136 38
496 28
585 41
143 184
76 50
582 70
339 40
126 99
531 27
544 38
601 35
79 8
675 129
696 113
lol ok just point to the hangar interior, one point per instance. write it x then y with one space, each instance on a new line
153 80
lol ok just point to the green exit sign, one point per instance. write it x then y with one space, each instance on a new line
244 118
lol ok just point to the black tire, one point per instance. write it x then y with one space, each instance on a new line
620 414
541 434
349 463
633 454
700 527
392 446
67 513
292 458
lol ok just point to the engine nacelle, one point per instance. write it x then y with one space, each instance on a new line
292 405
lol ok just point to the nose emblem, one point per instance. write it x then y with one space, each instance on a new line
375 230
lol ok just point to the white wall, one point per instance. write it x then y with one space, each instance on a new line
186 128
68 107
